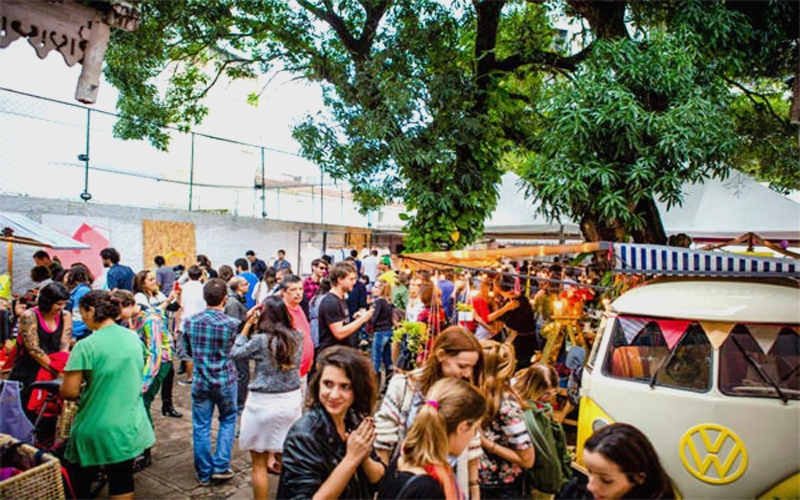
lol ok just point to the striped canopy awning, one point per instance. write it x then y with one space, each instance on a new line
632 258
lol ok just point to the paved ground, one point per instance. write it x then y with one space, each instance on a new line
171 476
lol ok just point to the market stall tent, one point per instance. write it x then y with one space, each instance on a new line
715 211
20 230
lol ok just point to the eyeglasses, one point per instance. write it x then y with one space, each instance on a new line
322 268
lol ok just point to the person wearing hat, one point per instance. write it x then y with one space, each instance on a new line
385 271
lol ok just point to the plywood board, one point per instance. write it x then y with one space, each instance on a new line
175 241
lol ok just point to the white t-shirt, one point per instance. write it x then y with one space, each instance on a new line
192 300
369 267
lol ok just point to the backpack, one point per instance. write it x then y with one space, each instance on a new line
552 468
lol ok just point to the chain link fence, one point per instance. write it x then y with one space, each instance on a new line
54 149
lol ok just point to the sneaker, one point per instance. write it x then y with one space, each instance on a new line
204 482
185 382
223 476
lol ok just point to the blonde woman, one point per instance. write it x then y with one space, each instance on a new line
444 426
537 385
455 354
505 440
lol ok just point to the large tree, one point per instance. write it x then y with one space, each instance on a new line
426 99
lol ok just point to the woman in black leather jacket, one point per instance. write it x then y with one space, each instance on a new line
328 452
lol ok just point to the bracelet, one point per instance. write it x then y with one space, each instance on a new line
474 483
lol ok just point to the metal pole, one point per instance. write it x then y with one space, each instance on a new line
191 175
321 195
85 195
263 186
299 251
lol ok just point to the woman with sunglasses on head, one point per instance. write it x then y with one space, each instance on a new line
328 452
444 427
150 322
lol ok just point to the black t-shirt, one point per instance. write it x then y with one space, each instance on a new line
331 310
406 485
521 319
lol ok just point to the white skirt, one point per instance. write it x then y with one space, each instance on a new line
266 420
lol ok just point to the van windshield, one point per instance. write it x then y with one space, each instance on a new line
639 352
761 361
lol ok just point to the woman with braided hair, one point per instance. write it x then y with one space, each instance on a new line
444 426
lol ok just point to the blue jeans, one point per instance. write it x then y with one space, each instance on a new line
203 403
382 350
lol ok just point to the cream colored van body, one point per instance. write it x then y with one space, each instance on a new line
734 443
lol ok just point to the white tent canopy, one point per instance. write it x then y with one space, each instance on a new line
716 210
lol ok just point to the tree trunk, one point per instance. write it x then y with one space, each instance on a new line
653 229
594 228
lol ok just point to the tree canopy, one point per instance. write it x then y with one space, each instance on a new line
429 101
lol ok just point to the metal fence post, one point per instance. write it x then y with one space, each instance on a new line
85 195
263 187
191 175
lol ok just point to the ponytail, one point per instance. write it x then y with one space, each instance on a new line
449 403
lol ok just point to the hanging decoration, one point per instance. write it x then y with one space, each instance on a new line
717 332
631 326
765 335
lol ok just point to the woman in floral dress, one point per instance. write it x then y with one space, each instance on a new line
505 440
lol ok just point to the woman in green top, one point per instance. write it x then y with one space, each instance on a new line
111 426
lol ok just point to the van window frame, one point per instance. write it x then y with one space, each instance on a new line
694 330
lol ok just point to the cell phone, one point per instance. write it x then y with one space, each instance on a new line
176 286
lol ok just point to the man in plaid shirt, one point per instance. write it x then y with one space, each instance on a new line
209 336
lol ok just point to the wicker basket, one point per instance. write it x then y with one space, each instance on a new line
41 479
65 420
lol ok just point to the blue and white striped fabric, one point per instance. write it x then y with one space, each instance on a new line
632 258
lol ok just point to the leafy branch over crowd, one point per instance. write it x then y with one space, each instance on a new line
428 102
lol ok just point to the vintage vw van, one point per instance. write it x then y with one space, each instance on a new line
707 365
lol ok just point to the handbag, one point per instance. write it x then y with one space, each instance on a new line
12 419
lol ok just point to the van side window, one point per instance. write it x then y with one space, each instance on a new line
690 364
688 367
638 359
780 365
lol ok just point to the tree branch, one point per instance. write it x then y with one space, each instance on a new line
551 59
763 100
374 16
335 22
221 69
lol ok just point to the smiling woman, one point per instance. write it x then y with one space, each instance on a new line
328 452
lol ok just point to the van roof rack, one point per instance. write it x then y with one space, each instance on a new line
637 258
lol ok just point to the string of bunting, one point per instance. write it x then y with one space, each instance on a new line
716 331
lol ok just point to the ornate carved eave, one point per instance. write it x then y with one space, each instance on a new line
79 32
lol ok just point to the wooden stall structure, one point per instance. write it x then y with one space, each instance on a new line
79 32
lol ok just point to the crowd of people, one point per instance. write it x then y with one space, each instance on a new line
311 376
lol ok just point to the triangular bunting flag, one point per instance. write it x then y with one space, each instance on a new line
717 332
631 326
673 329
765 335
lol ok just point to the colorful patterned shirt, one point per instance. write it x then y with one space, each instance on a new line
151 328
210 335
506 429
